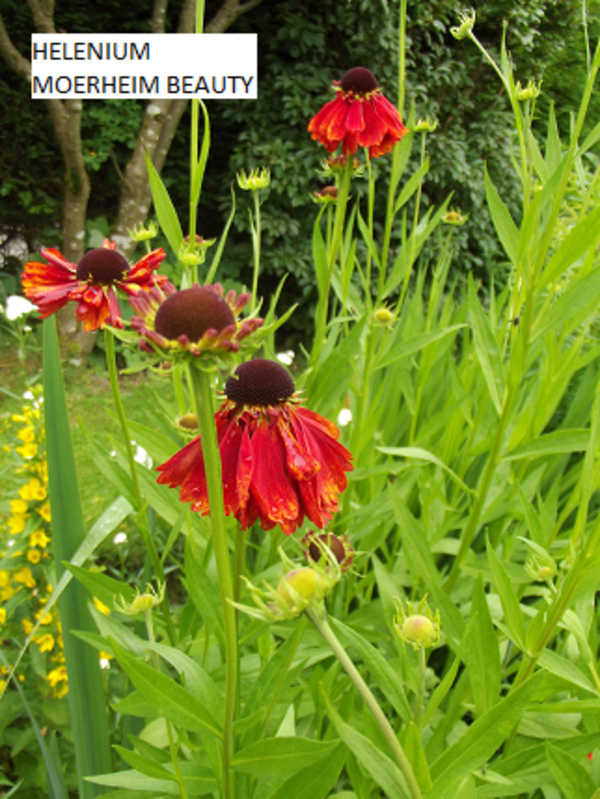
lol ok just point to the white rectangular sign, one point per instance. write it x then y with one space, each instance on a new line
144 66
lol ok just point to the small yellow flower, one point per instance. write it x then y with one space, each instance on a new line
33 490
101 606
25 577
18 418
45 642
47 618
34 556
2 615
16 523
27 450
38 539
27 626
44 511
7 593
18 506
2 686
27 435
57 675
60 692
4 578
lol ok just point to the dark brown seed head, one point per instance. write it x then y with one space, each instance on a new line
191 313
359 80
259 382
335 544
102 266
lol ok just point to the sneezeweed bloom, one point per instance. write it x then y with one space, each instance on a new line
419 627
92 283
360 116
191 322
281 462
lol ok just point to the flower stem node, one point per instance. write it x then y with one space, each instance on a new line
257 179
467 23
144 233
419 627
141 602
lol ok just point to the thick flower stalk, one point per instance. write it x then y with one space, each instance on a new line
92 283
281 462
359 116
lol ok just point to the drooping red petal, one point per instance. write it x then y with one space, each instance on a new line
271 484
355 118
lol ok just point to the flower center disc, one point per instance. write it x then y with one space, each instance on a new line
102 266
359 80
259 382
191 313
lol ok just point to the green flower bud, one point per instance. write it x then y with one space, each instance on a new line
257 179
419 627
141 233
467 23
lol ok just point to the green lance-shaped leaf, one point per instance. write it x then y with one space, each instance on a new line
481 740
86 692
165 210
571 776
506 229
487 349
281 756
510 603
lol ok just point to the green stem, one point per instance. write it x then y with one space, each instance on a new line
212 459
141 521
256 247
482 492
319 619
111 362
338 232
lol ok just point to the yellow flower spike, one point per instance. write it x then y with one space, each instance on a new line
18 506
45 642
7 593
27 450
39 539
33 490
44 511
25 577
27 435
16 523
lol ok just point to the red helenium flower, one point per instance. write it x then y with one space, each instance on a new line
280 462
360 116
91 283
